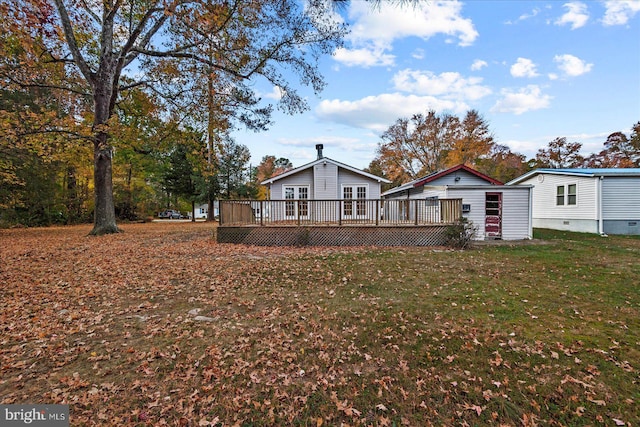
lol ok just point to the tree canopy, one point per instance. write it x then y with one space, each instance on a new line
414 147
106 48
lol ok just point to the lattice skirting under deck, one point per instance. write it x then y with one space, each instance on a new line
432 235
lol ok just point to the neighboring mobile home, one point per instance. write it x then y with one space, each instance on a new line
202 210
603 201
323 179
496 210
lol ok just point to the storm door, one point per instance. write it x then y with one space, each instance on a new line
493 216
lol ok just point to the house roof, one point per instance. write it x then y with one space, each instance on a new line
324 160
432 177
587 172
436 175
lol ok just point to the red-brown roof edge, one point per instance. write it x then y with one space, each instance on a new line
472 171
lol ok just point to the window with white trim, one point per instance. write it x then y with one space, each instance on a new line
560 195
567 195
572 194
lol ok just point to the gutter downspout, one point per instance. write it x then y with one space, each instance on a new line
530 213
599 206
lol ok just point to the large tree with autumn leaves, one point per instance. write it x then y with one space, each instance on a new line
425 143
108 47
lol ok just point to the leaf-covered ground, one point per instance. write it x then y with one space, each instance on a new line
162 326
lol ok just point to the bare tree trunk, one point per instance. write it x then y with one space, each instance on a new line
104 210
210 145
104 214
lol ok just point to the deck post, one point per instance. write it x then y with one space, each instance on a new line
377 212
262 212
339 212
415 210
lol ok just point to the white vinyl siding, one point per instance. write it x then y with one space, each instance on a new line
515 209
464 178
515 215
325 181
351 179
304 178
545 195
621 198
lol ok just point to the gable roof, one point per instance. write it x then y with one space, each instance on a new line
324 160
586 172
436 175
432 177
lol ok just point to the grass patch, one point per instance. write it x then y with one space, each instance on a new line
538 333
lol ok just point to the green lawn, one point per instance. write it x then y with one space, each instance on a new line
536 333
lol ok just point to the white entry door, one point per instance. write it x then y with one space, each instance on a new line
354 203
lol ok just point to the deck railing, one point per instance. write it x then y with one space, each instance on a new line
234 213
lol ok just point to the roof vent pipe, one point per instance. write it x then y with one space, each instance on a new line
319 147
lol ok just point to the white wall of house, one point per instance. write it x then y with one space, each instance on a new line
621 205
465 178
348 178
581 217
303 178
203 209
516 221
325 181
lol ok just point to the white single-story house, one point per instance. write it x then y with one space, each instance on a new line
496 210
203 209
603 201
322 179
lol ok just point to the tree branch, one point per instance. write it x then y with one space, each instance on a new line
185 55
92 13
73 44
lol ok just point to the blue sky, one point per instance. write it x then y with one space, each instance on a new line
535 70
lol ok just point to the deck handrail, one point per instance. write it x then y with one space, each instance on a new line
313 212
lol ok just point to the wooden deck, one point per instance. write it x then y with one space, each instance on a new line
337 222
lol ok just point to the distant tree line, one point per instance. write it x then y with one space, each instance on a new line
425 143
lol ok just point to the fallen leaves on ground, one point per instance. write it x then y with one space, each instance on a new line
162 326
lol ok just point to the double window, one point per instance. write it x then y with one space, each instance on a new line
567 195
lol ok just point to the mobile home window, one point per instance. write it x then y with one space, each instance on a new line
560 195
572 194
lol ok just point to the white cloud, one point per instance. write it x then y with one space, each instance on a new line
525 16
423 19
378 112
449 85
344 143
572 66
363 57
478 64
276 93
375 30
619 12
526 99
576 15
524 68
418 54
